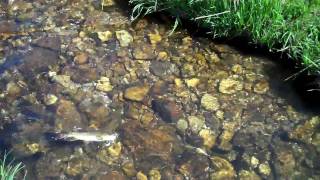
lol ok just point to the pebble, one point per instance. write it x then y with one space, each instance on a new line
154 174
104 85
141 176
136 93
115 149
105 35
124 38
230 86
182 125
129 169
264 169
154 38
261 87
209 138
81 58
13 89
193 82
223 169
50 99
196 123
210 102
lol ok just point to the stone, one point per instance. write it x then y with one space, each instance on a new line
81 58
230 86
178 82
143 52
154 174
223 169
49 42
13 89
115 149
264 169
196 123
33 148
147 141
261 87
214 58
193 82
129 169
68 118
163 56
104 85
227 135
154 38
248 175
210 102
160 68
124 38
141 176
306 131
104 36
168 111
50 99
136 93
38 60
182 125
237 68
8 26
209 138
107 3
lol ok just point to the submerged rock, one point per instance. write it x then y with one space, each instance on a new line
305 132
168 111
136 93
50 99
223 169
210 102
196 123
230 86
105 35
104 85
68 116
124 38
81 58
150 142
261 87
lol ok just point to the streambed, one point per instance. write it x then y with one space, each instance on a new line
184 107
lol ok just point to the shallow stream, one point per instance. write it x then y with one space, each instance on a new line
184 107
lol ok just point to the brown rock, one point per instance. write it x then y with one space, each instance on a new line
168 111
81 58
68 116
136 93
145 142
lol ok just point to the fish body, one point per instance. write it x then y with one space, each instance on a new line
88 137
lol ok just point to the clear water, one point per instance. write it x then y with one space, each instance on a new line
183 106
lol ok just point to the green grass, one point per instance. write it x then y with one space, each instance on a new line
9 170
288 26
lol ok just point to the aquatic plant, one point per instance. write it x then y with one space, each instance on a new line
9 170
288 26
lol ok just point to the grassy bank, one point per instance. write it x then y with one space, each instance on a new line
9 170
288 26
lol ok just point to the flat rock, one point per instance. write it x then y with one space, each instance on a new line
136 93
230 86
210 102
